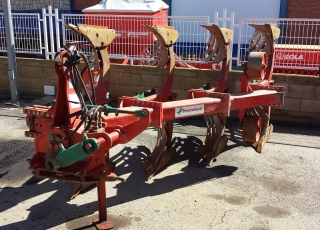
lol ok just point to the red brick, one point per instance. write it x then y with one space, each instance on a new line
82 4
303 9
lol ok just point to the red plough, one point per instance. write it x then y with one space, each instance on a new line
74 135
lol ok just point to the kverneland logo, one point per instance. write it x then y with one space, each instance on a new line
181 110
189 110
282 56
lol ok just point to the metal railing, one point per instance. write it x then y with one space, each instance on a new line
27 35
297 48
134 42
226 22
46 34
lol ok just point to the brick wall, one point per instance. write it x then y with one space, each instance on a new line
302 96
82 4
303 9
38 4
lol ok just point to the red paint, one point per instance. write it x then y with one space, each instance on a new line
129 29
292 58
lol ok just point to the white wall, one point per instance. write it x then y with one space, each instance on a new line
242 8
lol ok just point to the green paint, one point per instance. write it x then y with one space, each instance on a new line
110 109
140 113
73 154
179 111
52 104
206 87
140 96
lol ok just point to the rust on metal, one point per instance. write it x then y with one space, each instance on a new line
215 140
166 37
257 65
162 153
251 128
219 40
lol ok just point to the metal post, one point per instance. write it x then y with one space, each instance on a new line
103 222
12 64
50 14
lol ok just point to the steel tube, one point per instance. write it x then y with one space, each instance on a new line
102 200
12 64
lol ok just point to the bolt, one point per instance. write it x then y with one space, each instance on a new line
88 146
51 137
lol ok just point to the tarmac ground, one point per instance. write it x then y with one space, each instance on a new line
277 189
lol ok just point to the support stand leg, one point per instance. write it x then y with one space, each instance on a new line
103 222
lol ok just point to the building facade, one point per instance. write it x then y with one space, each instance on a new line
82 4
280 8
39 4
303 9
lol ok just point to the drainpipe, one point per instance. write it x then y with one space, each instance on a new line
72 5
283 14
12 63
170 5
283 8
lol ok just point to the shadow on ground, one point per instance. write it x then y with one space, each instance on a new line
43 214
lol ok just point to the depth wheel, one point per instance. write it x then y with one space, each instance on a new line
251 128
